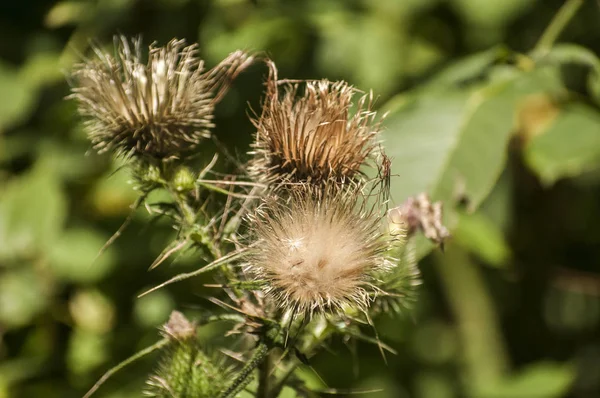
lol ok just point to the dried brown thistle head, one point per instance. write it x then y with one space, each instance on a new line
318 250
313 137
161 108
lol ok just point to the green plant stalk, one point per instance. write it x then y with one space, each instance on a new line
156 346
245 375
478 327
288 370
189 215
557 25
264 377
309 346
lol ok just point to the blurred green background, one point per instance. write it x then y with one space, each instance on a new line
500 125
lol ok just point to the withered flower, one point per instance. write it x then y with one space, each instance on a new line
421 213
313 137
161 108
317 252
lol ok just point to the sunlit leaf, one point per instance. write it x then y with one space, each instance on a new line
480 235
569 147
453 143
32 212
23 295
543 379
491 12
579 55
17 99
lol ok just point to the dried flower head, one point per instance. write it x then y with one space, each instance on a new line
179 327
421 213
318 250
161 108
313 137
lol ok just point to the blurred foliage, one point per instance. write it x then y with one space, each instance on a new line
487 112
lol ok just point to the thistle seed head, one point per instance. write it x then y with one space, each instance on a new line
313 137
318 250
161 108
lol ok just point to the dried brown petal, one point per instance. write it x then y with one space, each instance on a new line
313 137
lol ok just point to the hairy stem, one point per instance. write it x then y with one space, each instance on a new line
245 375
264 378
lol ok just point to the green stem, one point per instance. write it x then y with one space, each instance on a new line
264 378
288 370
311 344
557 25
486 360
158 345
245 375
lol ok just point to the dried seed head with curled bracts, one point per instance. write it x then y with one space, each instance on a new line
313 137
161 108
318 250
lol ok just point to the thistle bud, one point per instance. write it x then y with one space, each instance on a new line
186 370
161 108
184 179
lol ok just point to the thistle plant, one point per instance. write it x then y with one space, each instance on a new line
302 242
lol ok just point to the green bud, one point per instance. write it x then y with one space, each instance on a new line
147 176
152 173
186 370
184 179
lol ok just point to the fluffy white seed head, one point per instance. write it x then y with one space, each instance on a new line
318 251
161 108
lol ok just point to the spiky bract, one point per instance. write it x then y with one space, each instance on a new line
313 137
318 250
186 369
161 108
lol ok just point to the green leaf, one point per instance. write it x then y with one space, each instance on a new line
571 54
278 34
153 309
41 69
467 68
358 47
72 256
481 236
491 12
23 296
453 143
575 54
17 99
544 379
569 147
86 352
32 212
65 13
418 137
